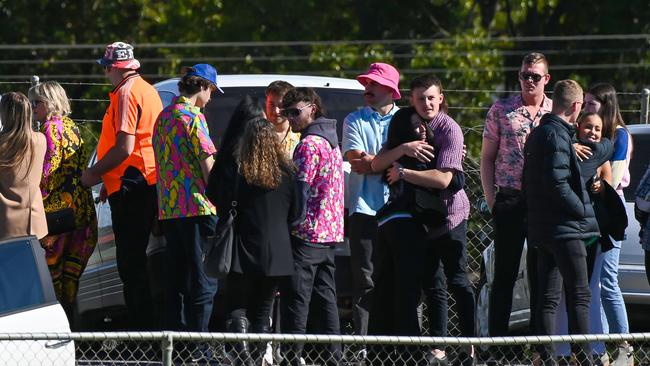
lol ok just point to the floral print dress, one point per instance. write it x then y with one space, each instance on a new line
65 158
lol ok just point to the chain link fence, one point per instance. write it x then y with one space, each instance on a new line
173 348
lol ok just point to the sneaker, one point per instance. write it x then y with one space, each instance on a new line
624 355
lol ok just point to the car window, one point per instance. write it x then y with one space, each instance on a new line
21 281
166 97
338 103
639 162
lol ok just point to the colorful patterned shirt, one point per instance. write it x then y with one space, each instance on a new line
508 123
181 141
65 159
321 167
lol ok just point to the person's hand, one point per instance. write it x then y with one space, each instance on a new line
583 152
392 175
103 194
597 186
419 150
89 179
362 165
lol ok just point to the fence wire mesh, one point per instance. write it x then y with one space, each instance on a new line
171 348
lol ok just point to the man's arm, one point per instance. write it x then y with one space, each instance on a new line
360 161
433 178
206 167
489 150
124 144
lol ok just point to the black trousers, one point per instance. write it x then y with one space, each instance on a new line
450 250
133 214
509 214
312 285
398 279
251 296
362 232
564 263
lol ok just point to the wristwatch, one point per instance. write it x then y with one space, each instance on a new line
400 172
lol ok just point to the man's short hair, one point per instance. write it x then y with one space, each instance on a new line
565 93
534 58
278 88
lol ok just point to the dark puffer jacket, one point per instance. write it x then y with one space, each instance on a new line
559 207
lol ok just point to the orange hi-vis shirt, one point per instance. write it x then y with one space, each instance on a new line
134 108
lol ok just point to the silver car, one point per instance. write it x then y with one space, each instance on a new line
631 273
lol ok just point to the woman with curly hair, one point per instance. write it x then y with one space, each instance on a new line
21 164
253 164
67 249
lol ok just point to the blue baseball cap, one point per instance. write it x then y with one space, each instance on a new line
204 71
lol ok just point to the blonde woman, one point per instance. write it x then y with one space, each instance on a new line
21 162
67 247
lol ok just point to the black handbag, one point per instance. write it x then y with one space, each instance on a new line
429 209
61 221
217 256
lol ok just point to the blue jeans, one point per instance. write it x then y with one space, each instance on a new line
613 314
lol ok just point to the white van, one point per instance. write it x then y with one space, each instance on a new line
100 300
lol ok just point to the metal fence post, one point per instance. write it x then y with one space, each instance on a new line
645 101
167 349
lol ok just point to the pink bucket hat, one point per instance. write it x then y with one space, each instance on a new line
119 55
383 74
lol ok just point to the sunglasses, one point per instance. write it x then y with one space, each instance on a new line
525 76
35 103
294 112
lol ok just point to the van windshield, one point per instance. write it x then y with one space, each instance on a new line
338 103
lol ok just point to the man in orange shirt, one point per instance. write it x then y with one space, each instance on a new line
126 165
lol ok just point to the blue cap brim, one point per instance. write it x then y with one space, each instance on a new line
104 62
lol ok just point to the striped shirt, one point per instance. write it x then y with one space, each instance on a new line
448 144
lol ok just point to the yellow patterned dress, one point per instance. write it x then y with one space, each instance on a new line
67 253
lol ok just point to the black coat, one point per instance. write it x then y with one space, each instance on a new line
558 204
263 245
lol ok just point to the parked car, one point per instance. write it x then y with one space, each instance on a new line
631 272
28 305
100 300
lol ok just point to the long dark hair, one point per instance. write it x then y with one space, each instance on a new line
248 109
402 129
609 110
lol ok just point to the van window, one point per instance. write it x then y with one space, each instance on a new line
20 280
338 103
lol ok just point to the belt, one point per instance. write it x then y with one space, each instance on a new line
507 191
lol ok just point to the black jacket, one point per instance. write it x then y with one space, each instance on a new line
263 221
559 207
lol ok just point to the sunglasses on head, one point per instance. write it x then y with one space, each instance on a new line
294 112
525 76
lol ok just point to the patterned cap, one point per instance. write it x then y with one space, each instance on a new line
119 55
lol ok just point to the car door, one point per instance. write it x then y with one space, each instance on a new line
28 305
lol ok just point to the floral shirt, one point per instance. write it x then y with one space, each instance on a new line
508 123
181 141
321 167
65 159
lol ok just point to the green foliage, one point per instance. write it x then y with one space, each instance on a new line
472 48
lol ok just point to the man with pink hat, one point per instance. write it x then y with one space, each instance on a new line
126 165
364 133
